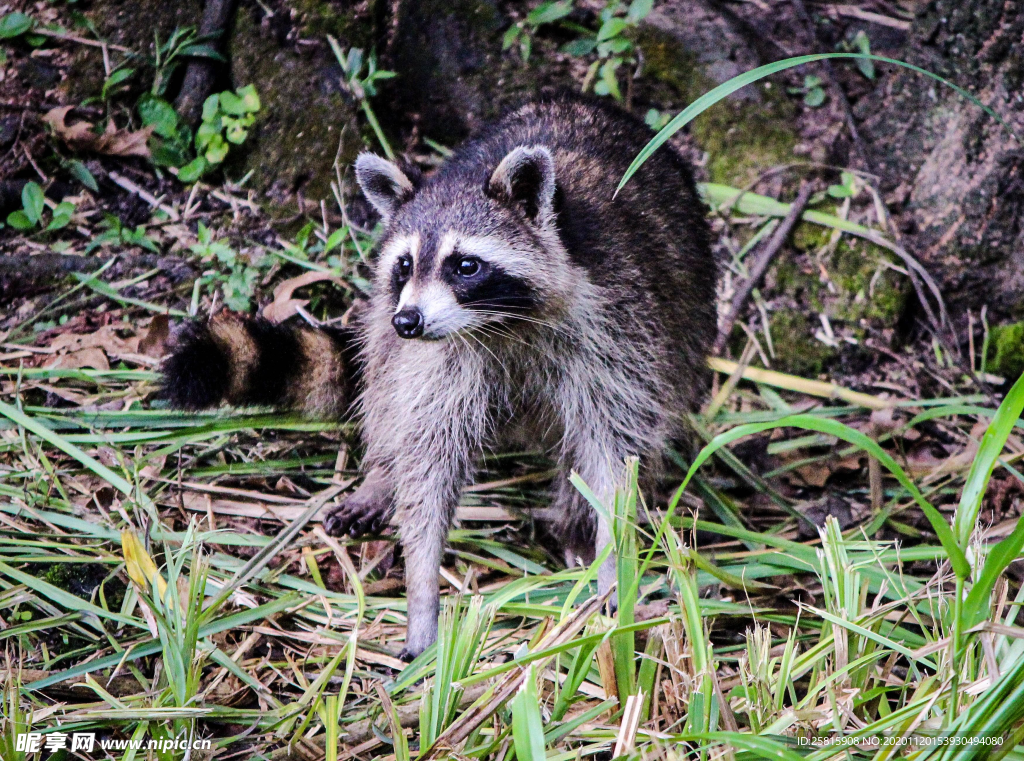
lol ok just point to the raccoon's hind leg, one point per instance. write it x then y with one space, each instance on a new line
251 361
367 511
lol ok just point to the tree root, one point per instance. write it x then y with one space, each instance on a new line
201 72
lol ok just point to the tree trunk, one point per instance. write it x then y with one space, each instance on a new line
957 173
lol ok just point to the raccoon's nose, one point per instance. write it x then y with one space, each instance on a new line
408 323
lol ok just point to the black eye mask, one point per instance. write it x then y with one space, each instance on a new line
489 288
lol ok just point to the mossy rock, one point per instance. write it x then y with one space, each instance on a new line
797 351
303 113
743 135
1006 351
865 295
866 288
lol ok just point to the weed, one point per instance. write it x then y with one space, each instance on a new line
813 92
236 275
363 86
15 25
116 234
612 44
32 214
227 117
523 32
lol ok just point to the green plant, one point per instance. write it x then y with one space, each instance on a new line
184 42
363 86
813 92
14 25
849 186
612 44
171 141
236 275
227 117
861 44
527 724
462 635
524 31
113 84
32 211
656 119
116 234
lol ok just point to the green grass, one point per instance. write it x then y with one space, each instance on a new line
262 637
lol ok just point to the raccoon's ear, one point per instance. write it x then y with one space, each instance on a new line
385 185
526 178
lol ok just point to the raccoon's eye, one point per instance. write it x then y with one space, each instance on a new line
403 268
468 266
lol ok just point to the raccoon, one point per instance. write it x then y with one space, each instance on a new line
514 298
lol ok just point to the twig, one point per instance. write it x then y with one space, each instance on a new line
852 11
764 258
860 149
81 40
199 75
145 195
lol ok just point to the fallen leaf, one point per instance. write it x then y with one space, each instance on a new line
815 474
105 338
92 357
65 394
154 343
284 306
112 142
960 460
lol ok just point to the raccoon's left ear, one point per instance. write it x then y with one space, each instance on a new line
385 185
526 178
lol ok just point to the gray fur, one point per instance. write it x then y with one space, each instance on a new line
600 368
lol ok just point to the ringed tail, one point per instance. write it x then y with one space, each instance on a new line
246 361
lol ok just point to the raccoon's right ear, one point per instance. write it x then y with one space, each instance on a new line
385 185
526 178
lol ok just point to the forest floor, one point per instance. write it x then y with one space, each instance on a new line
164 574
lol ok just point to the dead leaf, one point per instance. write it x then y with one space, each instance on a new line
154 343
816 474
961 460
92 357
284 306
105 338
112 142
65 394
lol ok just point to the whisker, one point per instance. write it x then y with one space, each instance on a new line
523 318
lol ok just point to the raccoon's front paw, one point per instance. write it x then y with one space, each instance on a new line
358 516
408 655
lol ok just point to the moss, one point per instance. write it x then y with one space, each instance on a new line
80 579
865 290
319 19
797 351
299 127
743 138
1006 351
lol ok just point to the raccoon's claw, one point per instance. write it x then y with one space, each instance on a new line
357 517
408 655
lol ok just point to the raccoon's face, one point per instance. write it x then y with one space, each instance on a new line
460 255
